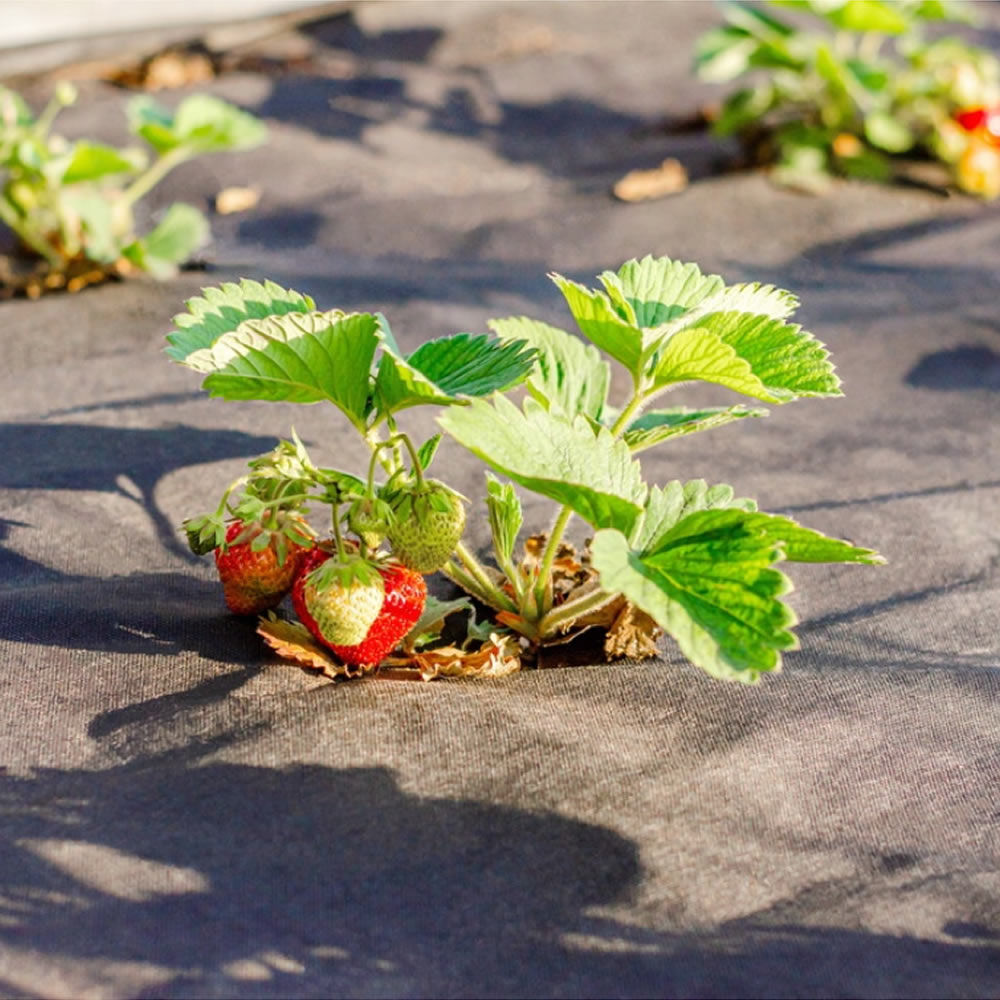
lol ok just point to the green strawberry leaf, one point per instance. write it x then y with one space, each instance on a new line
89 161
867 15
665 507
181 231
711 586
660 425
430 624
221 310
568 374
207 124
565 460
700 354
748 297
505 515
757 356
448 370
659 289
601 324
788 360
152 122
298 358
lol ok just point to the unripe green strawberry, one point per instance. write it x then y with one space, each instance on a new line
404 593
427 524
369 519
257 567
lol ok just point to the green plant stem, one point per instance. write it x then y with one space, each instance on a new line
555 535
12 218
152 176
571 610
404 438
489 591
548 558
625 417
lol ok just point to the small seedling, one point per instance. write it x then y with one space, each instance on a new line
847 87
71 203
685 558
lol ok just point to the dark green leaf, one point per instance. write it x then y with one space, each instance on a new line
298 358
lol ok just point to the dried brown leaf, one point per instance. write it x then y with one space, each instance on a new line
669 177
293 642
231 200
632 634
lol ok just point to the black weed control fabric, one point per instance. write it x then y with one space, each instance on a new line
183 815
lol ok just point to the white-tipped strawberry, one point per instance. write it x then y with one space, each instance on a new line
341 599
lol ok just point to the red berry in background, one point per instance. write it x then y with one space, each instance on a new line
405 594
971 119
253 581
983 122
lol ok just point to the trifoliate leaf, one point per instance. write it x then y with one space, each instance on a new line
565 460
711 586
568 373
666 506
223 309
505 515
298 358
601 324
660 425
659 289
90 161
449 369
181 231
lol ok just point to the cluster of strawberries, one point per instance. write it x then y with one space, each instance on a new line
979 166
354 599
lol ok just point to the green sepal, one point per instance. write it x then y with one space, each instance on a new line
427 451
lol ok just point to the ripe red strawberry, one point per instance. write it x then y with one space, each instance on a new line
427 524
403 602
253 581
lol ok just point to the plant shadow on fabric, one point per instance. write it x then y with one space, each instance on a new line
160 878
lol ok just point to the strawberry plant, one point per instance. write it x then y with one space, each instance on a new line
71 203
532 401
845 87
